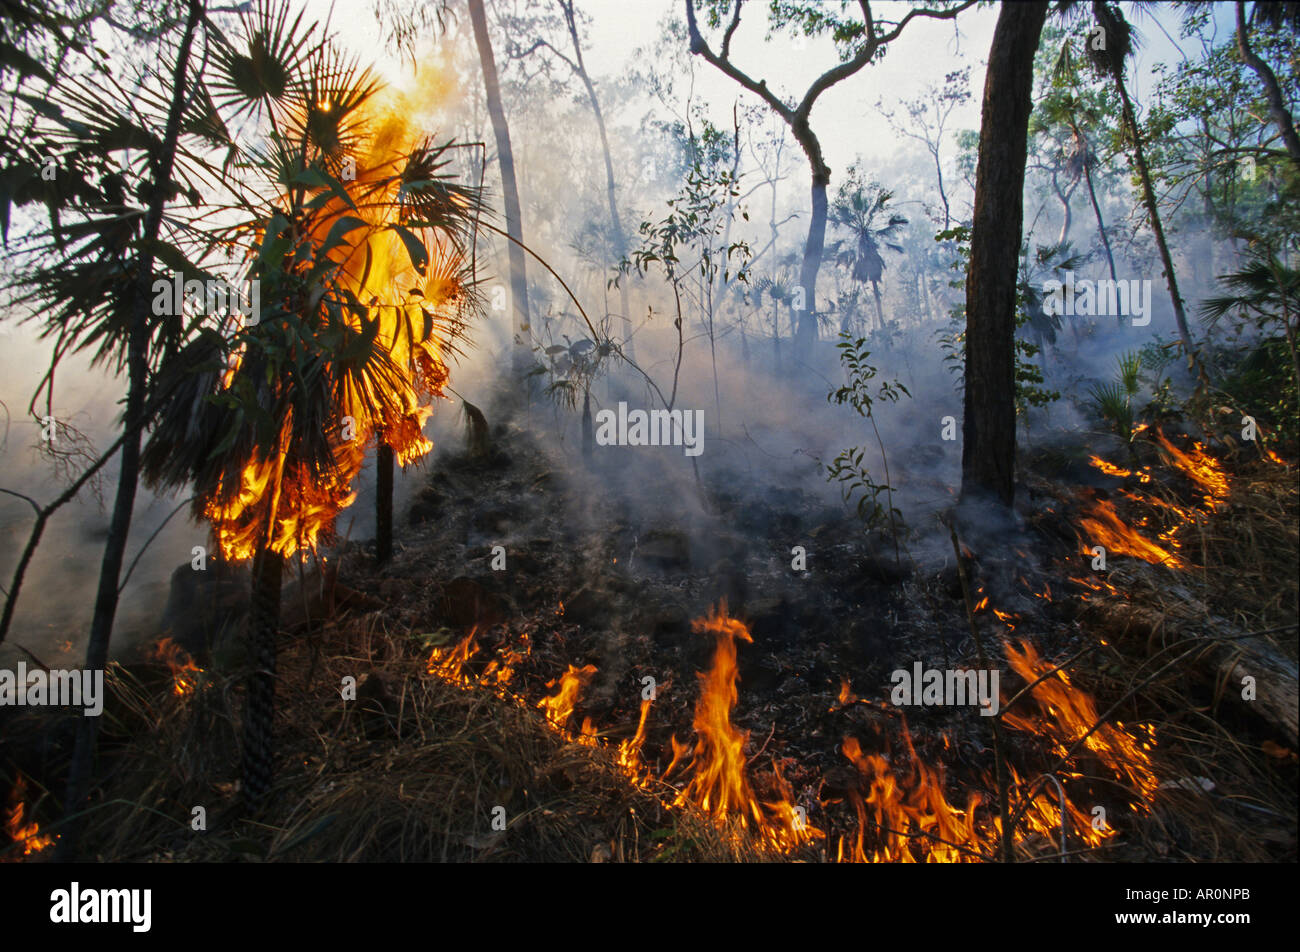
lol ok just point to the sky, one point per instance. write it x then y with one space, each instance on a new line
845 117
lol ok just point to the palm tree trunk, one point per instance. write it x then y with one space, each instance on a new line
259 715
509 188
383 502
989 424
101 626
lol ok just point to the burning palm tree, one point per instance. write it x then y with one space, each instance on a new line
359 241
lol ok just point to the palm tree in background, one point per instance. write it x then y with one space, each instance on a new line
862 210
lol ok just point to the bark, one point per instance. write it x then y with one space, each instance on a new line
509 188
806 329
259 715
989 425
1276 105
384 503
106 598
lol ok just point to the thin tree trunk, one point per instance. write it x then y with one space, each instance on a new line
509 187
616 222
383 502
1153 212
989 425
1092 197
1276 106
943 196
588 434
101 626
806 329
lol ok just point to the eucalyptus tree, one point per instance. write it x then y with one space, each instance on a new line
989 423
520 359
859 42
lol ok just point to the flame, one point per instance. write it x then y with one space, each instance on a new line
1104 527
183 669
29 834
376 268
558 708
846 696
910 815
1109 468
449 665
719 784
1200 468
629 751
1066 714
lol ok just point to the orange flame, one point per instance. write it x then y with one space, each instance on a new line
1108 468
629 751
183 669
910 815
449 664
1104 527
377 269
1067 714
1200 468
719 784
559 707
28 834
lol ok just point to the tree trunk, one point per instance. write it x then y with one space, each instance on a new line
259 715
106 597
620 239
1276 105
1153 212
806 329
383 502
989 424
588 434
509 188
1092 197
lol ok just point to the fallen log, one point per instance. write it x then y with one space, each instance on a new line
1231 655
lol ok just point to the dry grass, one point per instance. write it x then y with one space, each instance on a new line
410 772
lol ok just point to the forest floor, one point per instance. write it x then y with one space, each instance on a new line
453 650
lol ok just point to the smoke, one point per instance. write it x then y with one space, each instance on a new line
769 430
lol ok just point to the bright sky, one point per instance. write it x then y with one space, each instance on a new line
845 116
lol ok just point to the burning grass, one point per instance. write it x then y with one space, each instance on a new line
410 771
523 715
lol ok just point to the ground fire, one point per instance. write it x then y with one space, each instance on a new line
561 431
